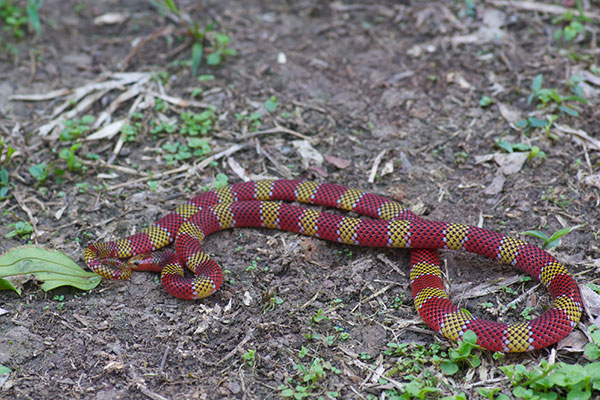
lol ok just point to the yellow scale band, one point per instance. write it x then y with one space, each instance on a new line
308 222
225 195
262 190
509 249
305 191
390 210
224 215
428 293
456 235
269 211
186 210
518 335
348 200
569 307
424 268
124 248
347 230
453 325
550 271
399 233
158 236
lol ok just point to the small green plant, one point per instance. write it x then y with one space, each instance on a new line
550 97
40 172
74 128
73 162
253 120
534 151
551 381
592 349
462 355
22 229
219 49
157 127
319 317
6 152
271 104
554 239
194 124
486 101
571 25
61 301
214 44
249 357
130 131
310 376
221 180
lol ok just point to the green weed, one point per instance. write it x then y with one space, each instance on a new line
549 381
534 151
553 240
74 128
571 25
214 44
40 172
309 376
22 229
462 355
550 97
194 124
6 152
249 357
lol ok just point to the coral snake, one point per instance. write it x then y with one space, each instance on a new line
388 224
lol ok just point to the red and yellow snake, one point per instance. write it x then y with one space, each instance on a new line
389 224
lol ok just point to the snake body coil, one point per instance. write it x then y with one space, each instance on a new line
254 204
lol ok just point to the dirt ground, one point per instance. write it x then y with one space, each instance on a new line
390 87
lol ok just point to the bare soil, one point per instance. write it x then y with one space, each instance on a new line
391 84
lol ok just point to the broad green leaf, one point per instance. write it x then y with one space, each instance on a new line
562 232
537 234
4 370
568 110
197 53
214 58
536 85
6 285
53 268
449 367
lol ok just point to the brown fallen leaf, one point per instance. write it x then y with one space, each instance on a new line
341 163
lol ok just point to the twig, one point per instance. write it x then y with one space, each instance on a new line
540 7
376 165
277 129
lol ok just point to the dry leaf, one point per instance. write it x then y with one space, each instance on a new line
496 186
341 163
510 163
309 155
